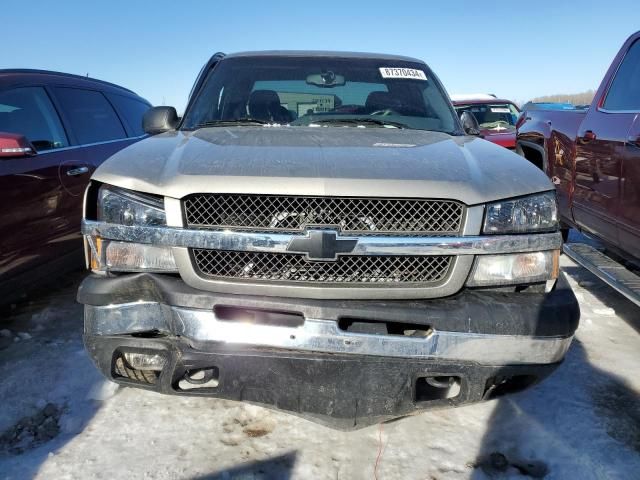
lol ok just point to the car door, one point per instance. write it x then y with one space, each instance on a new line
97 132
601 146
32 225
630 205
598 172
623 101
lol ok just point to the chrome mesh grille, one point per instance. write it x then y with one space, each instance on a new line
348 269
362 216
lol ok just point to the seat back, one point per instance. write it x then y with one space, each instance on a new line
265 105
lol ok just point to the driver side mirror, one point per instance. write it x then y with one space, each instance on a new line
159 120
14 145
470 123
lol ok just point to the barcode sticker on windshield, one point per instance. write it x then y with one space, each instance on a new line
500 110
412 73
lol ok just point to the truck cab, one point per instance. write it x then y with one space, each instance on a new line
321 234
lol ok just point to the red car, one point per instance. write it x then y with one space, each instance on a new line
497 117
55 129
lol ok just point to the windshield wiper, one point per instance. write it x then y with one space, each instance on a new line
233 122
361 121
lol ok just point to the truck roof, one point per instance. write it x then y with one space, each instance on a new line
322 53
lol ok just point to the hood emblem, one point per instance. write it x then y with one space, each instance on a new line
322 245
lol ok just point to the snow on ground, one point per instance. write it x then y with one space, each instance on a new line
581 423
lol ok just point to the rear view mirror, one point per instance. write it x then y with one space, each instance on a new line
325 79
159 120
470 123
14 145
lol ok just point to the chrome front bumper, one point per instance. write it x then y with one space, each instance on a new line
201 327
368 245
464 248
486 342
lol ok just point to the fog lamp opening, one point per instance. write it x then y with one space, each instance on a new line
145 361
138 367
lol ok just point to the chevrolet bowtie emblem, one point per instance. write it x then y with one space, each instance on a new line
321 245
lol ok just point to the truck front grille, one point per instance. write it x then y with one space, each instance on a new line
361 216
348 269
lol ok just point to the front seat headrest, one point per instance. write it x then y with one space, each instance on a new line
382 101
264 105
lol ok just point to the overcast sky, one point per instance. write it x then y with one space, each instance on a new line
518 49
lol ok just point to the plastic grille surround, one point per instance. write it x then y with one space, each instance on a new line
361 216
348 269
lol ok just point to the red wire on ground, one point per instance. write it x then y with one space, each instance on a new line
380 451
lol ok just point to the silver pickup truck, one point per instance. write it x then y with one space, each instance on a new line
321 234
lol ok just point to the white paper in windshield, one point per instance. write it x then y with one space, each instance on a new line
412 73
500 110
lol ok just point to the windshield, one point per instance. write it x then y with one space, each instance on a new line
322 92
492 116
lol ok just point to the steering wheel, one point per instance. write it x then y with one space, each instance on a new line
385 112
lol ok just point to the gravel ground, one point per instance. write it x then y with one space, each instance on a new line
60 419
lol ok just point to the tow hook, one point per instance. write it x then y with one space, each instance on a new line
200 378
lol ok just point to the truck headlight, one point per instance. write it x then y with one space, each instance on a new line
124 207
534 213
513 269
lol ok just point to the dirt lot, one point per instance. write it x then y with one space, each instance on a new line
61 419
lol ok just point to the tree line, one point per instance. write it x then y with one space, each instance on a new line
583 98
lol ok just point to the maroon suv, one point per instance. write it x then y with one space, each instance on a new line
55 129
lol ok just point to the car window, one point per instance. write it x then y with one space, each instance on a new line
492 116
327 91
131 110
300 98
28 111
91 117
624 93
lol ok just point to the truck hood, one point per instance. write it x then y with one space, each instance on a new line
323 161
